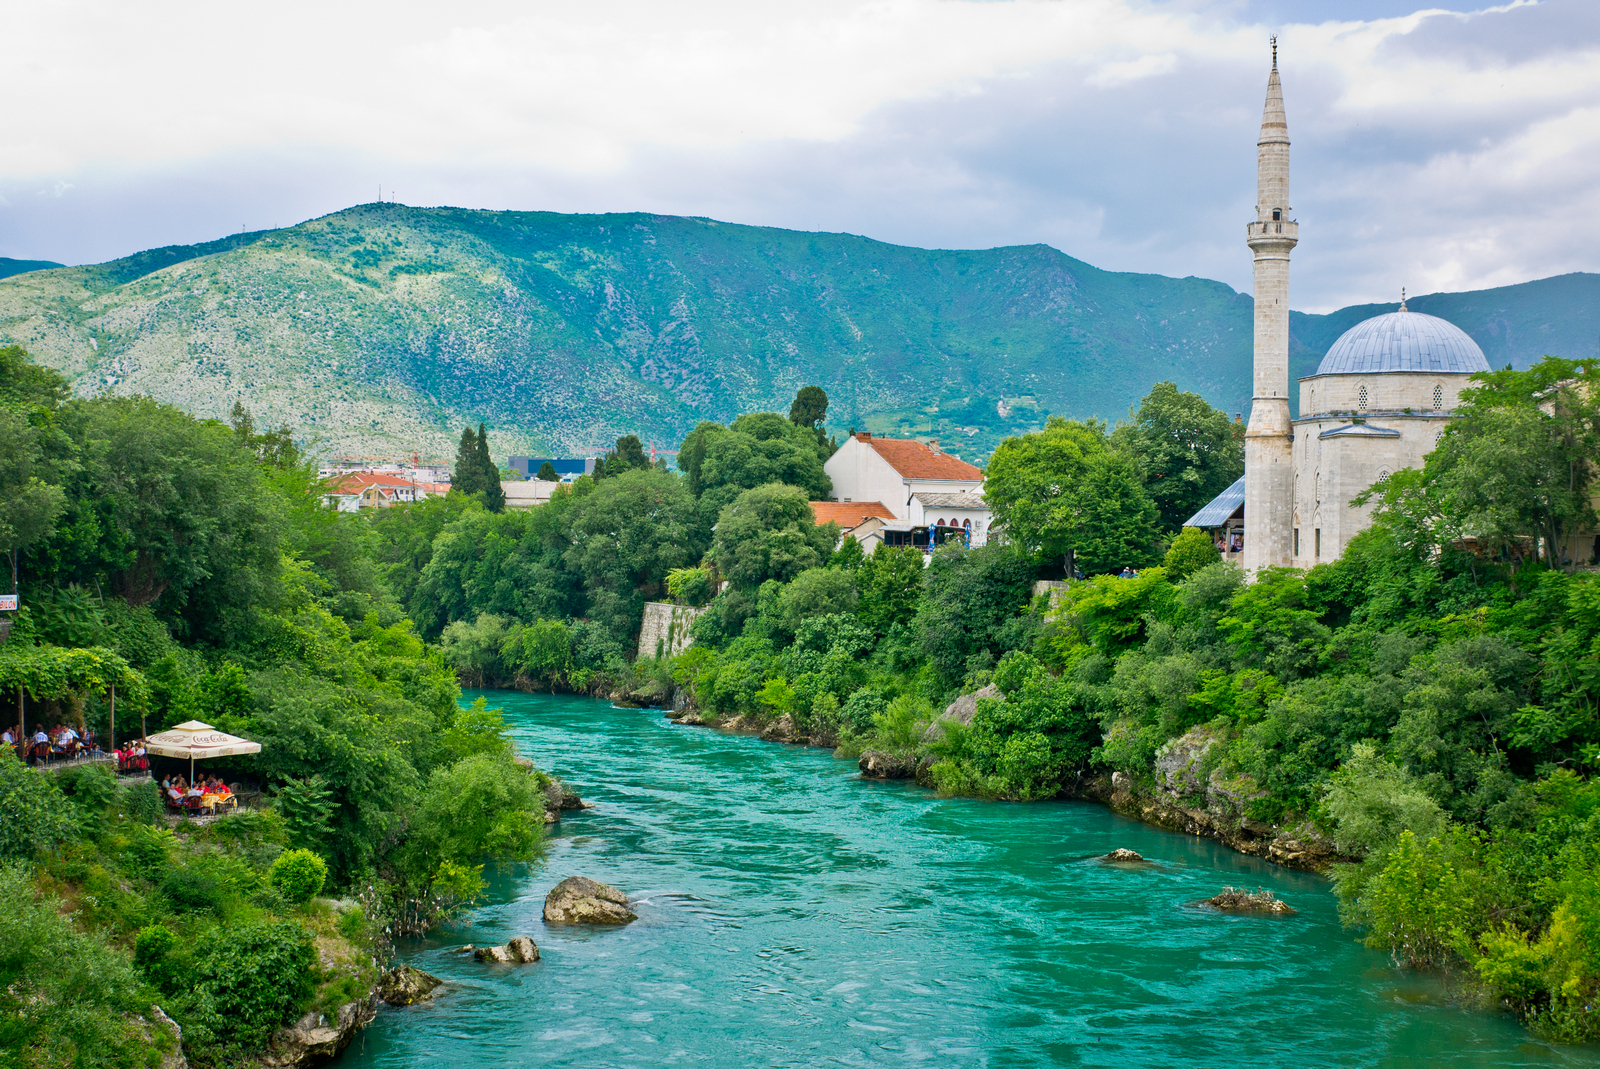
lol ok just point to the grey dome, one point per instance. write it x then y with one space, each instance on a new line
1403 341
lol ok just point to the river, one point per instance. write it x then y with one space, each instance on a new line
791 914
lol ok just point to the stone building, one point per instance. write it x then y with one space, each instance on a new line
1379 401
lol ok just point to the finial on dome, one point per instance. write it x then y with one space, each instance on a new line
1274 51
1403 307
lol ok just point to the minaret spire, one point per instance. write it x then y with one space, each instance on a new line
1269 477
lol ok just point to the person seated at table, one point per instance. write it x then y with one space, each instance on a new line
40 750
171 790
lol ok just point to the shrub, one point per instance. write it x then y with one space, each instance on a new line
252 979
34 814
1190 551
157 953
141 802
690 586
298 874
149 851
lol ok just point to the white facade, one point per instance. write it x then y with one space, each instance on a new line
918 484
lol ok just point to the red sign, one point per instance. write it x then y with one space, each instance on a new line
8 602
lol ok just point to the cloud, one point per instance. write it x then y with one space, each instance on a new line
1432 148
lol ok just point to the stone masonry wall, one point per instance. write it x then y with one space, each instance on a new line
665 629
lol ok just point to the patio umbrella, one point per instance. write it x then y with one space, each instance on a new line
192 739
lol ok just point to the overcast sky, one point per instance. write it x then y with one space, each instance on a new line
1435 149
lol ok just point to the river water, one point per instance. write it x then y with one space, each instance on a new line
791 914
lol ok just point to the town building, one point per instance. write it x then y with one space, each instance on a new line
569 470
371 489
1379 400
528 493
929 495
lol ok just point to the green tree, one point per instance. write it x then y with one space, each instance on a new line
467 476
891 582
1189 552
494 496
1114 521
547 473
29 506
810 407
769 532
968 615
1032 483
1186 451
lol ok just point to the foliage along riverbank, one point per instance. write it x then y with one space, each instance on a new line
192 565
1424 709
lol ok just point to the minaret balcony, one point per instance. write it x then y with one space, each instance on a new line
1288 229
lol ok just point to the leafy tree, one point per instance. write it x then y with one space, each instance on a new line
547 473
891 581
1186 451
1115 522
298 874
1189 552
759 448
37 815
770 533
810 407
29 506
968 615
1032 484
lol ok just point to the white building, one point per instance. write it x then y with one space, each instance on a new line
1379 401
528 493
930 496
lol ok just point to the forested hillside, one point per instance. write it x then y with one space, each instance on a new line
382 328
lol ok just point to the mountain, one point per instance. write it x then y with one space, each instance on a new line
383 329
9 267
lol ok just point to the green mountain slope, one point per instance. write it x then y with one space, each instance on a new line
382 329
9 267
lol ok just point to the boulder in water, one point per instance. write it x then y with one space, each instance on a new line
1121 856
1235 900
880 764
580 900
519 951
405 986
318 1037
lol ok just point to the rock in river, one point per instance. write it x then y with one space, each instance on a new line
580 900
519 951
1234 900
880 764
314 1038
405 986
1122 855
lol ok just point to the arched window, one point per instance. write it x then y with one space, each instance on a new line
1313 400
1361 397
1438 398
1319 486
1383 473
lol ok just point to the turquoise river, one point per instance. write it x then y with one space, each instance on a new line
791 914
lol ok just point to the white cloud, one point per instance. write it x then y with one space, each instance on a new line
1435 144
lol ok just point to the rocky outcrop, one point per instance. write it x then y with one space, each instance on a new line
1217 813
1122 857
158 1021
315 1038
649 694
960 711
518 951
881 764
580 900
561 798
405 986
1234 900
1180 762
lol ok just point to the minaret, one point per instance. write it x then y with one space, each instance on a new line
1268 475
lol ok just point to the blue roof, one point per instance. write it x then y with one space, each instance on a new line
1403 341
1221 507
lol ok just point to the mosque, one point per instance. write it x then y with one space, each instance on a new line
1379 401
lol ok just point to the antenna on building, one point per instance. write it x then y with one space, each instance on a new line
1403 307
1274 51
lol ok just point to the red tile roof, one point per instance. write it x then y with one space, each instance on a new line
913 460
848 514
357 482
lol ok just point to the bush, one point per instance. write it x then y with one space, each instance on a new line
141 802
34 814
1190 551
158 954
252 979
298 874
149 851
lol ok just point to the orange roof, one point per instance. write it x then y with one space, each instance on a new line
359 481
848 514
913 460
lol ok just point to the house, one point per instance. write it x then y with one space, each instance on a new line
372 489
862 520
930 495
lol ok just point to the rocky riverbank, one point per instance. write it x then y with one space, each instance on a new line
1187 795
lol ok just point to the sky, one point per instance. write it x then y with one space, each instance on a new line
1437 148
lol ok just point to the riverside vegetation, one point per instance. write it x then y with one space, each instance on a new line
1426 703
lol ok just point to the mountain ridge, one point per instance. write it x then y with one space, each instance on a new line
382 329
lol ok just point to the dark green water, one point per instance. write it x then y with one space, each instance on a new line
794 915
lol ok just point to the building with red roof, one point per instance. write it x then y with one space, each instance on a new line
929 494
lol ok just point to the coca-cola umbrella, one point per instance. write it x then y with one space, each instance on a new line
195 740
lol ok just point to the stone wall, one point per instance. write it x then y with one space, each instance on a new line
666 629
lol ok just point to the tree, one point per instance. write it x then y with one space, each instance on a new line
467 474
1062 492
494 495
1186 451
769 532
1189 552
810 407
547 473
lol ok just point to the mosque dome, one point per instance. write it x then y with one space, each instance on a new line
1403 341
